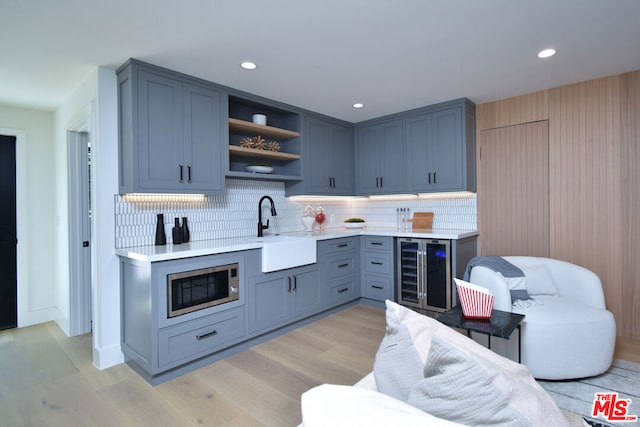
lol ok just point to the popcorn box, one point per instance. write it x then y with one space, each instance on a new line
476 301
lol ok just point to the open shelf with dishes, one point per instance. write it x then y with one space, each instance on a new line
258 151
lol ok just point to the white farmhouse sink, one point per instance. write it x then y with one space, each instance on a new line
282 252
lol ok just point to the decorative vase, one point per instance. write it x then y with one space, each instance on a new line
176 232
308 221
161 237
321 216
185 230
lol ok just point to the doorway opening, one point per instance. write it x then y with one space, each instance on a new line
79 156
8 234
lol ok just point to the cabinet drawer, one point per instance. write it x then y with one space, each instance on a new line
337 246
341 266
377 287
379 262
341 291
378 243
196 338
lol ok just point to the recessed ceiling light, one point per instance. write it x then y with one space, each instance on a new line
358 105
546 53
248 65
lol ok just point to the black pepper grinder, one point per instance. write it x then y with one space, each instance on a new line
161 237
176 232
185 230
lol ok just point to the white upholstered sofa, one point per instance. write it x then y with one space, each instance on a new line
567 331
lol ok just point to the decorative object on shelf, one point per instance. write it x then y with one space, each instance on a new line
255 142
161 237
308 218
354 223
260 168
259 119
176 232
321 216
184 229
259 143
476 301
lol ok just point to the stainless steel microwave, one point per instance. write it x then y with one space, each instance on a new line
194 290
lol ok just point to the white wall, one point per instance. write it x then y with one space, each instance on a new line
106 267
94 100
35 202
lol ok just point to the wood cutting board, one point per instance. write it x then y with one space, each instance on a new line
422 221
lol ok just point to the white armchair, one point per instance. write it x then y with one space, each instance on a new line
567 332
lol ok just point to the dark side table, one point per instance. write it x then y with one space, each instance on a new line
501 324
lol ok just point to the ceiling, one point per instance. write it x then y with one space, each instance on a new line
321 55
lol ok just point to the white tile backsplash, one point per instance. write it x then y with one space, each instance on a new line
235 213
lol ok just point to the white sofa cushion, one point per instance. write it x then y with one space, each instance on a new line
339 405
564 338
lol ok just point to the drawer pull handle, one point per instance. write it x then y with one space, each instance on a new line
377 263
377 243
343 245
377 287
203 336
343 290
343 265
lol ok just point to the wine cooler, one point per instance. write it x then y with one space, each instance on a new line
424 273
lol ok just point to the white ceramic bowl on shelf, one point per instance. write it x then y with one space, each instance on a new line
259 169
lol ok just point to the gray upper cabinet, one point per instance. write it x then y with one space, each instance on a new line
328 159
380 157
171 132
440 148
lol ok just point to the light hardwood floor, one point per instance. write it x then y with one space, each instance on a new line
47 379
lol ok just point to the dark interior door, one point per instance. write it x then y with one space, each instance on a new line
8 238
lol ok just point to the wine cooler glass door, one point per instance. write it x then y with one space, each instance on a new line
409 275
437 276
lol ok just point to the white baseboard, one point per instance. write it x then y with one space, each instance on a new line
107 357
29 318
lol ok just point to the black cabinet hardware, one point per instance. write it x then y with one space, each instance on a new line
209 334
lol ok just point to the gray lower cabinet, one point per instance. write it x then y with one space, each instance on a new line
440 148
378 268
155 343
282 297
339 270
185 341
380 157
172 134
328 158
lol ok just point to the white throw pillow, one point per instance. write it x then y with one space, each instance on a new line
539 280
464 387
406 348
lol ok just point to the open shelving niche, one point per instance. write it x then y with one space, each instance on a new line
282 127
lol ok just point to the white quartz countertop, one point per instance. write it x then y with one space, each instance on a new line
218 246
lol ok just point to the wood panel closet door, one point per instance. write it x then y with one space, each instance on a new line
513 190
